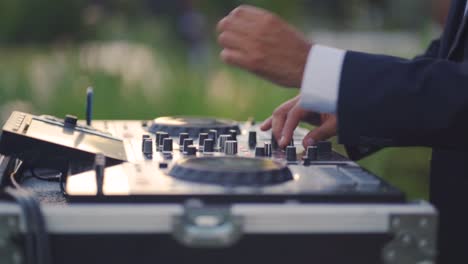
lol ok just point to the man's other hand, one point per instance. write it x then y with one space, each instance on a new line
262 43
286 118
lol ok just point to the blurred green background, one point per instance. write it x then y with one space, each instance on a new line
151 58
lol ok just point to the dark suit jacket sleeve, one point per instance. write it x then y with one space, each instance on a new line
361 149
388 101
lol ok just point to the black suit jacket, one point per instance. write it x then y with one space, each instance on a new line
388 101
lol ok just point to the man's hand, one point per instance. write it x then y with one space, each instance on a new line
286 118
260 42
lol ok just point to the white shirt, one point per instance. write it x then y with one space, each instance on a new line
322 76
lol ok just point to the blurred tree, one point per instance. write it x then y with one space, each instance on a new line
39 20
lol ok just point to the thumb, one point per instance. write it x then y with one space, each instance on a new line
323 132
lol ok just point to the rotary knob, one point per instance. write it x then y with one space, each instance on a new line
70 121
182 137
162 136
187 142
233 134
167 145
208 146
213 134
191 150
143 141
201 139
312 153
324 149
230 147
268 150
222 141
274 142
148 147
259 152
291 153
252 139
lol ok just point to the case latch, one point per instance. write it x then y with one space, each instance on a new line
207 227
414 240
10 251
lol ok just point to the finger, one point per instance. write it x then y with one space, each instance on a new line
323 132
267 124
248 12
279 117
233 40
235 24
234 57
292 121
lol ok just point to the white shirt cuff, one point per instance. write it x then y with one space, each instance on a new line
321 81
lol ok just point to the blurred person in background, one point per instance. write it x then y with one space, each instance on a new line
370 101
192 27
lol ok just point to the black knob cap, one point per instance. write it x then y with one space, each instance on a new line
259 152
191 150
312 153
233 134
268 150
187 142
148 147
143 140
201 138
163 165
158 137
70 121
252 139
230 147
182 137
208 146
167 145
162 136
213 134
99 168
274 142
324 149
291 153
222 141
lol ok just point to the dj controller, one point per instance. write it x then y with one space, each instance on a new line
172 159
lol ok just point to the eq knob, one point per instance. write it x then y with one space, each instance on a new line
208 146
191 150
233 134
162 136
187 142
324 149
268 149
260 152
230 147
312 153
252 139
274 142
167 145
222 141
148 147
143 141
201 139
291 153
182 137
213 134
